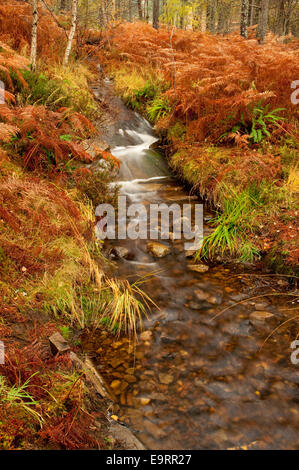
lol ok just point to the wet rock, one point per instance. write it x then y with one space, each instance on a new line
154 429
119 386
115 363
167 339
200 294
144 401
239 297
166 379
125 437
215 299
146 335
120 252
228 289
190 253
158 396
58 344
260 305
130 378
260 316
199 383
100 145
158 249
199 268
115 384
238 329
195 305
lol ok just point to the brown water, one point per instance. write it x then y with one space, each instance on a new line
195 381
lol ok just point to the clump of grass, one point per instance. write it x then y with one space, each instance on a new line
18 396
74 84
127 307
56 86
158 108
233 225
137 87
96 184
292 183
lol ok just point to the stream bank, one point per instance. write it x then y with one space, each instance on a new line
201 375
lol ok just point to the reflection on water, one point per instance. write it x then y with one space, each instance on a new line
195 380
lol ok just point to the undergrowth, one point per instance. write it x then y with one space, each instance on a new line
51 265
230 127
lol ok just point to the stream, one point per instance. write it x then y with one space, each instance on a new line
195 380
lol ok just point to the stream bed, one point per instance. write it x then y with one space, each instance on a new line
195 380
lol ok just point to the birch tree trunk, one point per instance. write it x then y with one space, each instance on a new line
71 33
34 35
244 18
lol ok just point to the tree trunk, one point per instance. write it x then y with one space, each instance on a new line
221 18
34 35
139 9
256 11
244 18
250 13
71 33
129 10
263 22
279 22
182 17
156 14
211 16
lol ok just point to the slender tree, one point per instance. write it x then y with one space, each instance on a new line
211 15
71 33
34 34
156 14
244 18
250 12
263 21
140 15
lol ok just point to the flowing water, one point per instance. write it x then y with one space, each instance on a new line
195 381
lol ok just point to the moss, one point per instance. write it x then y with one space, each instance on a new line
56 87
275 260
177 131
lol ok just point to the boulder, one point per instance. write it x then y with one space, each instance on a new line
260 316
120 252
158 249
199 268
